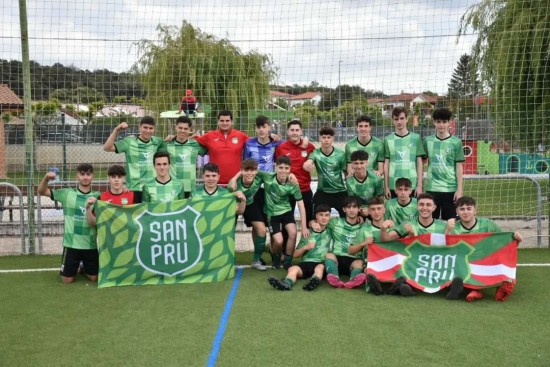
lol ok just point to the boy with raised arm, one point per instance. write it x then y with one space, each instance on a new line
403 208
345 233
364 141
210 188
183 155
313 251
469 223
278 190
363 183
138 150
445 172
79 239
403 152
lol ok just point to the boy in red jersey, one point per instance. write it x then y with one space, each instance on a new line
117 194
294 149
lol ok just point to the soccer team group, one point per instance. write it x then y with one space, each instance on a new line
375 186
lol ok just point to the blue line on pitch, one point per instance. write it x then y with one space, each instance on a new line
216 344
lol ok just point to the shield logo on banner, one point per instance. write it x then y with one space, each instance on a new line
432 266
169 243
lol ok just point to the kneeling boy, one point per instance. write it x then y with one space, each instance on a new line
312 250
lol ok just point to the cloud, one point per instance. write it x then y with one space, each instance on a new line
383 45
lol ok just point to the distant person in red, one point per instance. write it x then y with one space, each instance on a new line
188 103
117 194
225 146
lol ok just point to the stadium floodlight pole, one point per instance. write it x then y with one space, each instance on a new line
29 144
339 89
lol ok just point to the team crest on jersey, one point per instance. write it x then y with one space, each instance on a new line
234 140
401 153
169 243
439 157
124 201
304 153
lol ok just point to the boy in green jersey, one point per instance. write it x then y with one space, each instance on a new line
363 183
330 163
375 211
373 223
249 180
163 188
424 223
366 142
346 232
445 157
79 239
469 223
312 250
403 208
403 152
210 188
184 152
139 151
278 190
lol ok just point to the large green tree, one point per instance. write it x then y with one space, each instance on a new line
464 82
219 73
512 52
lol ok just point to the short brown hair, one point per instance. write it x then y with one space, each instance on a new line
398 111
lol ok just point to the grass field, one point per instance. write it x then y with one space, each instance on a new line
46 323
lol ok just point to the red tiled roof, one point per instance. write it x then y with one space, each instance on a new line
402 97
276 93
7 97
306 95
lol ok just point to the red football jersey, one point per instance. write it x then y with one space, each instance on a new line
125 198
225 151
298 156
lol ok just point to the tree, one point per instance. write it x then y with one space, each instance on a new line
464 81
219 73
512 52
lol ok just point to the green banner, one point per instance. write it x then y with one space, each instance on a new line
184 241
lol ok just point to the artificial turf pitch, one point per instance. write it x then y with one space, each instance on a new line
46 323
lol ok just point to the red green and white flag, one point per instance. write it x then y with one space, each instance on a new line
430 262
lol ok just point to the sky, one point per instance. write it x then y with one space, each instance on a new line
391 46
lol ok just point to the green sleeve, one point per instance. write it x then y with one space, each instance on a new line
145 195
386 149
296 192
425 147
420 147
121 146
